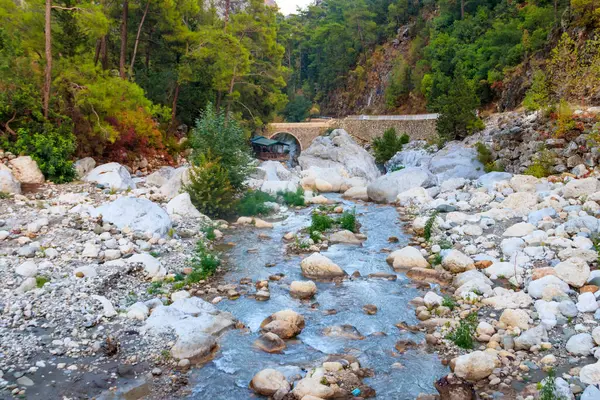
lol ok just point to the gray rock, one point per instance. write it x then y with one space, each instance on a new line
140 215
26 170
456 161
386 188
8 182
83 166
531 337
111 175
160 176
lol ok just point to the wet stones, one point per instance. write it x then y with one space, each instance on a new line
319 267
303 289
270 343
343 331
286 324
268 382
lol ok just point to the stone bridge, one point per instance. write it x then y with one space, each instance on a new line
363 128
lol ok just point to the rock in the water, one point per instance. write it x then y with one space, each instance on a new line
26 170
8 182
317 266
357 193
83 166
387 188
303 289
336 150
270 343
343 331
286 324
112 175
139 215
345 237
476 365
268 382
407 258
312 387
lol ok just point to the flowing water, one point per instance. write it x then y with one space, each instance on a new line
397 376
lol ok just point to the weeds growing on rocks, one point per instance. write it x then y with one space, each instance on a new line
204 263
293 198
429 225
463 335
348 221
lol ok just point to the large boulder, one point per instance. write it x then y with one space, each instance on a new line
160 177
139 215
8 183
339 150
547 286
331 179
581 187
26 170
387 188
457 262
273 171
83 166
456 161
195 322
174 185
273 187
476 365
573 271
319 267
356 193
182 206
490 179
303 289
112 175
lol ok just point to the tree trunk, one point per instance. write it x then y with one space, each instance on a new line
227 5
97 55
462 9
48 69
174 107
137 38
103 53
123 55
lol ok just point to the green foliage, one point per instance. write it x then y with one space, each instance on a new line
293 198
297 109
457 109
386 146
429 224
542 165
564 119
547 388
397 168
209 232
52 149
463 335
484 155
4 195
320 222
538 95
204 263
347 221
449 302
41 280
223 138
210 190
400 84
253 203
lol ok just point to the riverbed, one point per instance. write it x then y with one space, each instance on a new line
397 376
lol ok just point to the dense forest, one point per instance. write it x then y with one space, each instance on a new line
119 79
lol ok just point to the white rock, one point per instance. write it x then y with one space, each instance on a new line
344 236
27 269
456 262
83 166
303 289
476 365
536 288
580 187
580 344
574 271
152 265
586 302
503 270
417 196
140 215
317 266
85 271
182 205
386 188
26 170
109 310
160 177
8 182
112 175
432 299
516 318
174 185
90 250
519 230
590 374
268 382
138 311
407 258
179 295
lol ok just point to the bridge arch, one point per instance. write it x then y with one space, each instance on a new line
287 137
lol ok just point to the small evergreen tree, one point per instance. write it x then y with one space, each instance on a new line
386 146
458 117
298 109
224 139
538 95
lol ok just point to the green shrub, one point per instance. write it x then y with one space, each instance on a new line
437 259
547 389
204 263
293 198
209 232
209 188
347 221
320 223
457 108
253 203
397 168
449 302
538 95
386 146
51 147
463 335
542 165
564 119
484 155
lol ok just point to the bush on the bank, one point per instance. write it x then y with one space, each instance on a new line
253 203
210 190
463 335
386 146
204 263
320 223
51 147
293 198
